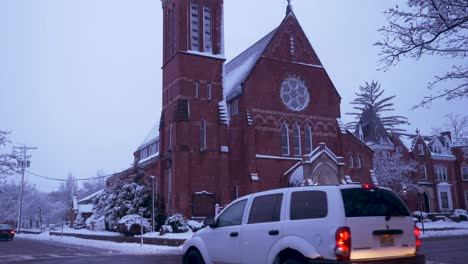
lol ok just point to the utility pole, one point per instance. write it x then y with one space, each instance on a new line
24 162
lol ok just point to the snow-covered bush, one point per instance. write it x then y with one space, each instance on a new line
96 223
417 214
194 225
130 225
79 222
178 223
165 229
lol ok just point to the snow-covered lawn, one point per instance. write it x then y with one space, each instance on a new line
186 235
439 228
107 245
86 232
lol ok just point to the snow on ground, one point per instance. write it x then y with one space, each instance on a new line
107 245
439 226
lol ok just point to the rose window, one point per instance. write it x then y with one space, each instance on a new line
294 93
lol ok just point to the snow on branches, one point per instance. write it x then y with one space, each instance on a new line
393 172
7 157
370 97
429 27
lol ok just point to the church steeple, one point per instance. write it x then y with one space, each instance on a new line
289 9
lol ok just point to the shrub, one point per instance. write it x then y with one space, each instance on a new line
79 222
194 225
130 225
178 223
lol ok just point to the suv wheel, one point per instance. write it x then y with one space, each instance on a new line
193 257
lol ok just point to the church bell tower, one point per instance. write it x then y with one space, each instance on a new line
193 58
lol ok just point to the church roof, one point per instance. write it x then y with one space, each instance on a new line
238 69
152 135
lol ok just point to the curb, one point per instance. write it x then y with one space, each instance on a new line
122 239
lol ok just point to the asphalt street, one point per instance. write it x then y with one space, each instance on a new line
452 250
27 251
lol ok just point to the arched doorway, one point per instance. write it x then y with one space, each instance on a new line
325 173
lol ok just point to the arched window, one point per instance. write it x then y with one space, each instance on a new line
284 140
297 140
358 165
308 139
350 162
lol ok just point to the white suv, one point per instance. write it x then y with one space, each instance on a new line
314 224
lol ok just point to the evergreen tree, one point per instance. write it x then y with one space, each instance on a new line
370 97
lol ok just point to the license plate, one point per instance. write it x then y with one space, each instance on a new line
387 241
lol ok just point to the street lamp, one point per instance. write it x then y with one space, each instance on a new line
153 179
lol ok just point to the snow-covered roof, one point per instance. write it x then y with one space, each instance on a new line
85 208
408 141
91 196
152 135
341 125
238 69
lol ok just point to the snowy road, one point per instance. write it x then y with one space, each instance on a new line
28 251
448 250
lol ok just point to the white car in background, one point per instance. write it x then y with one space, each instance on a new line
314 224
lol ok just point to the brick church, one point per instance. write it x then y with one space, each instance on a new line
269 118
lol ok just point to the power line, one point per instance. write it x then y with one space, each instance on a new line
65 180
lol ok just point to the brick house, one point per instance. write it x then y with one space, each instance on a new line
269 118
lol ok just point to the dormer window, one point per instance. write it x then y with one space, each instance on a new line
144 153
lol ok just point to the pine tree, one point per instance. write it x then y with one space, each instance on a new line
370 97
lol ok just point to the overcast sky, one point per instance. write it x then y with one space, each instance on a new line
81 79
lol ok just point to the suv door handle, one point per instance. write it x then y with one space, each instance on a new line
273 232
234 234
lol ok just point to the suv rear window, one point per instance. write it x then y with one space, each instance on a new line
361 202
308 205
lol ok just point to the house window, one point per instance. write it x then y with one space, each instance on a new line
423 172
308 139
233 107
195 87
351 162
465 173
292 44
194 27
444 202
209 91
207 29
441 173
296 140
203 135
358 160
284 140
420 149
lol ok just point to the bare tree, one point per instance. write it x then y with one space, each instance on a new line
393 172
429 27
91 186
370 97
457 124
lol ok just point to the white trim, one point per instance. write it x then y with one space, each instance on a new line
203 192
260 156
254 177
284 125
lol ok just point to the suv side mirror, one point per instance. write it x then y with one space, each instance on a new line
209 221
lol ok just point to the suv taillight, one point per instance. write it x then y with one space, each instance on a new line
418 240
343 243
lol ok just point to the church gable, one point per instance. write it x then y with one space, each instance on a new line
291 44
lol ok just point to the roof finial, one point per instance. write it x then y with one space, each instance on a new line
289 9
